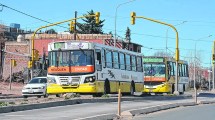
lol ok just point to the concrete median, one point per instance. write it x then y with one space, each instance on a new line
23 107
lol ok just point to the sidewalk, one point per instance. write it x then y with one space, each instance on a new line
5 92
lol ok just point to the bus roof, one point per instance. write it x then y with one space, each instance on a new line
76 45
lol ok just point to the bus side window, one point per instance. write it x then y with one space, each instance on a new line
98 60
103 60
169 70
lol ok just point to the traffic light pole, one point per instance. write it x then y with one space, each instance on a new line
133 16
75 26
97 15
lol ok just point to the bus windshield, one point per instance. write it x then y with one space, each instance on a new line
157 70
71 58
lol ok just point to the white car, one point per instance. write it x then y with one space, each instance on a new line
36 87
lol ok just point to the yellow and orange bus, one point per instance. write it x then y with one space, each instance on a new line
92 68
159 75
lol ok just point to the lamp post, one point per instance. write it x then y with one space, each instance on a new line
195 90
116 18
133 16
167 33
209 80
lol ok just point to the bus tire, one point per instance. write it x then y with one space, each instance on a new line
106 87
59 95
132 88
173 88
46 95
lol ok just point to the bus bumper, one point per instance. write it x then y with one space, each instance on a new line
159 89
83 88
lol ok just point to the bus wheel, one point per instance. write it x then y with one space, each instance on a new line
59 95
173 88
46 95
107 87
132 88
97 95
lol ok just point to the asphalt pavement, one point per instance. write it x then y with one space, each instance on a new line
149 104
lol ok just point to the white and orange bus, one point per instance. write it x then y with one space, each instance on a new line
159 75
92 68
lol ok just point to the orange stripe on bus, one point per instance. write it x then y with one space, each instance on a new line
82 68
58 69
160 79
73 69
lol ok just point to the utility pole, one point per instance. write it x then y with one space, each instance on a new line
11 72
213 69
75 25
209 80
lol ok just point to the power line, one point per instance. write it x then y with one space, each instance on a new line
28 15
157 36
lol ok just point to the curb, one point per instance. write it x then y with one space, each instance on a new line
207 102
130 113
156 108
9 97
100 117
15 108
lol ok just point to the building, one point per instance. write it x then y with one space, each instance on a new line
21 50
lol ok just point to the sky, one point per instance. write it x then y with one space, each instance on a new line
193 19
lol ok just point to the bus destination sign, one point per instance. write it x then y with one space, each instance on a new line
153 59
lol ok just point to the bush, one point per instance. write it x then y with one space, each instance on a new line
2 104
105 96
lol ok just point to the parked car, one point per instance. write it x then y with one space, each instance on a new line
35 87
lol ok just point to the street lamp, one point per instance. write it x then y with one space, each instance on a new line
116 17
195 90
133 16
167 33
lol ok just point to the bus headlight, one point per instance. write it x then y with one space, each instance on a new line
90 79
51 80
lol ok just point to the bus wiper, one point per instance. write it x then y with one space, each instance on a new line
82 51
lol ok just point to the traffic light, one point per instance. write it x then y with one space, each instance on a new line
72 26
97 17
29 64
133 14
36 55
13 62
213 57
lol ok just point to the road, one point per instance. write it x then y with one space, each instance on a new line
86 110
200 112
81 110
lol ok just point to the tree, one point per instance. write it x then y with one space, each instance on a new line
110 33
90 26
128 35
162 54
50 31
194 61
